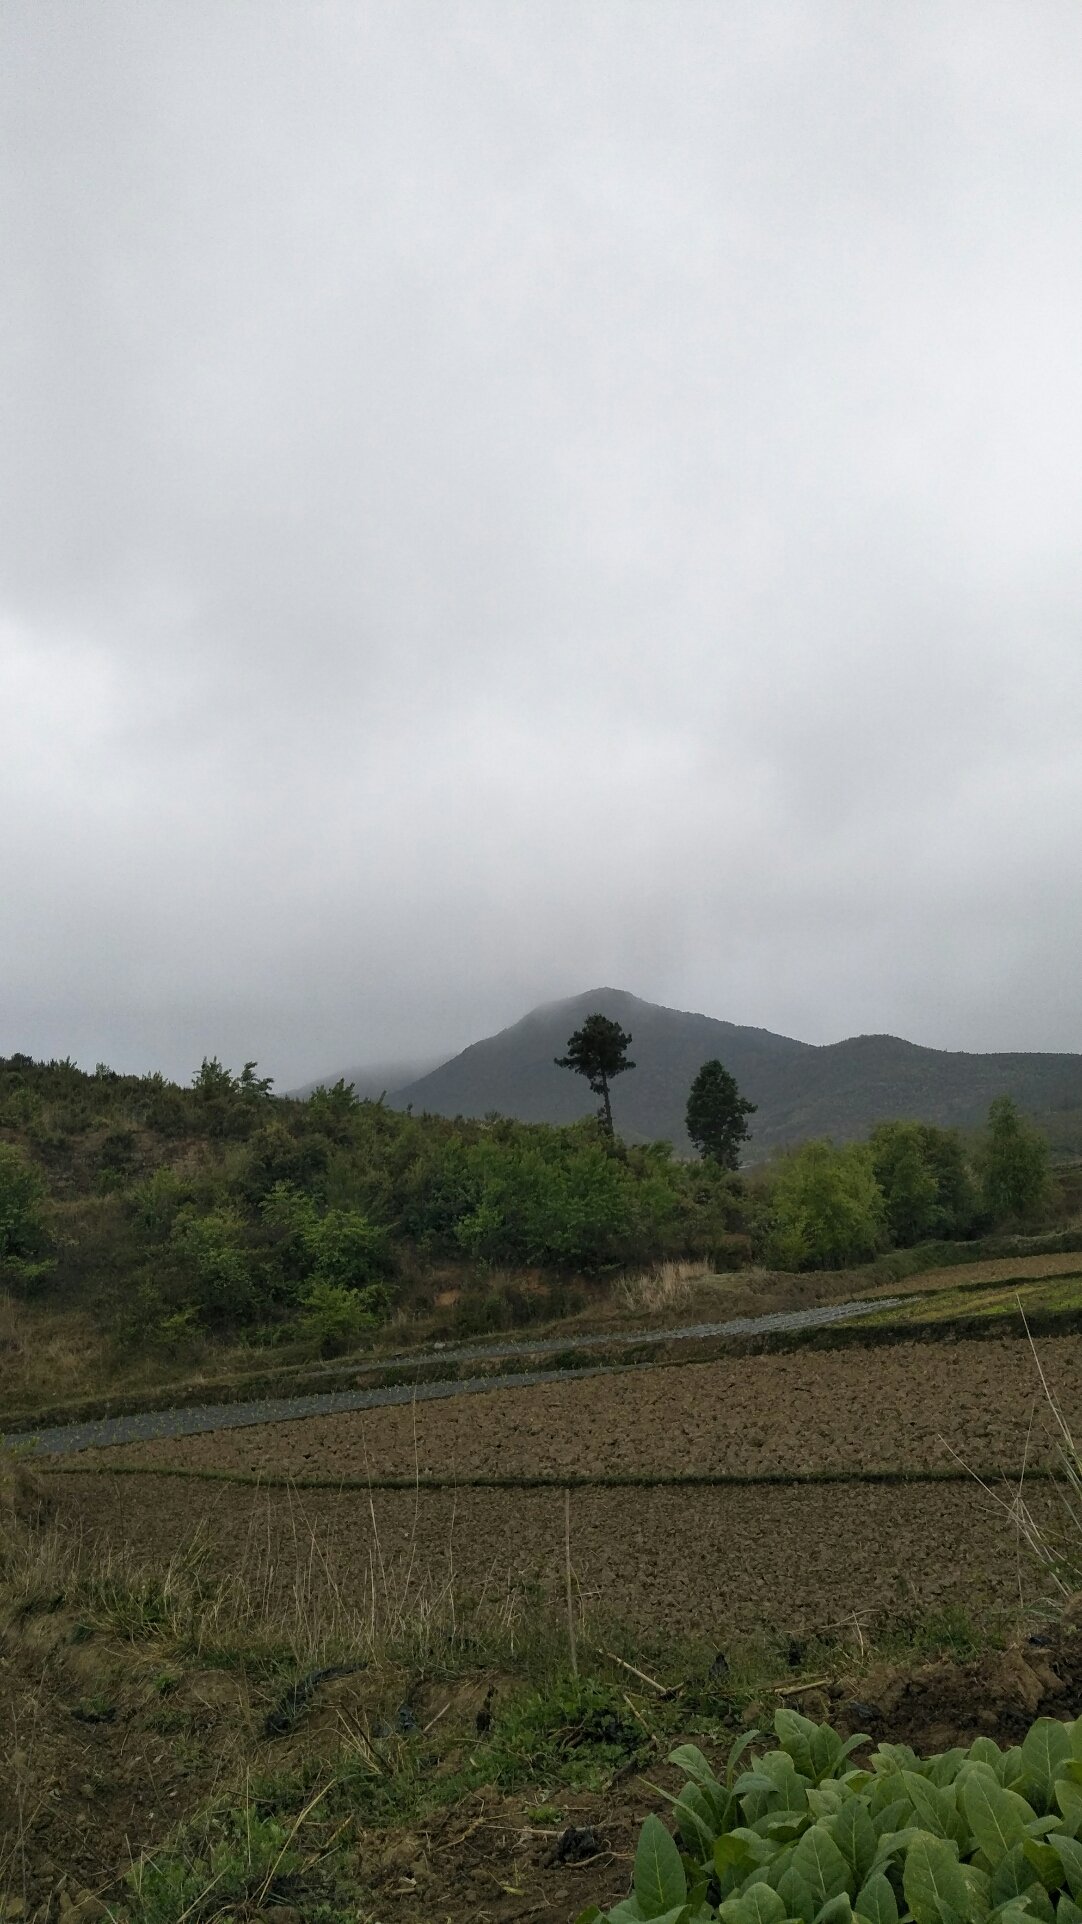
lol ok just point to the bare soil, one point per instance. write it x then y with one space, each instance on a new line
906 1406
664 1563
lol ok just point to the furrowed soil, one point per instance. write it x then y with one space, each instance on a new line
909 1406
708 1563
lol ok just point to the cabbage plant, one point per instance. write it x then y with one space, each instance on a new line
801 1834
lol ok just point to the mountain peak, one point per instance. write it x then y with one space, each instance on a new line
841 1089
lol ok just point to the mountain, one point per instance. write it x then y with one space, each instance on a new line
840 1089
369 1082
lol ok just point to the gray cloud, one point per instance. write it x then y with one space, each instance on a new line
497 498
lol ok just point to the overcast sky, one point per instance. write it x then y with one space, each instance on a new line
502 497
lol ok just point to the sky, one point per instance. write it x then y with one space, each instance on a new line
502 496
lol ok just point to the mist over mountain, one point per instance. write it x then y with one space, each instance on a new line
841 1089
371 1080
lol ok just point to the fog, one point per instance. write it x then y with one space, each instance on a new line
496 498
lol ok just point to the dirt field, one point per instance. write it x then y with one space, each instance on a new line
906 1406
999 1269
701 1563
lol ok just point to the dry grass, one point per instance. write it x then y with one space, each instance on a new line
282 1602
668 1286
48 1354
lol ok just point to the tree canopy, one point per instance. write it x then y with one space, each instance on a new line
1014 1164
598 1051
717 1115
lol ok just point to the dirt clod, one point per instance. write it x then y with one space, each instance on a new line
573 1846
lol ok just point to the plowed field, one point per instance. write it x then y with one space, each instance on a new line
909 1406
708 1564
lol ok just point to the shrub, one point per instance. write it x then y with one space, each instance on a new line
212 1246
336 1318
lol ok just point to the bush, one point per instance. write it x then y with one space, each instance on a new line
336 1319
212 1247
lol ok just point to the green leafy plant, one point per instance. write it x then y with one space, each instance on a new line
804 1835
335 1318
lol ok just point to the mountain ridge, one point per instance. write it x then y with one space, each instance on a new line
801 1088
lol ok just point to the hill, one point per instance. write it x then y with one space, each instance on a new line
840 1089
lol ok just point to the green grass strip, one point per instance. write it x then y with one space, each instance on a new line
607 1480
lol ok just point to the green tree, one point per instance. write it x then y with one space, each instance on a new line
925 1180
598 1051
717 1115
1014 1164
910 1189
828 1208
254 1088
945 1155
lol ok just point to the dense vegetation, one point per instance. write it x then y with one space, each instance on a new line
803 1834
220 1208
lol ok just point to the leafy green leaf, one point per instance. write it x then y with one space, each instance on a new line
826 1748
1045 1861
1067 1911
1070 1856
795 1734
695 1820
934 1809
998 1818
935 1889
836 1910
1045 1748
765 1905
1013 1875
689 1758
658 1879
797 1896
758 1905
822 1865
854 1833
876 1900
1068 1796
742 1743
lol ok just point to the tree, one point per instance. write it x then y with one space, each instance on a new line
828 1207
716 1115
598 1051
1014 1164
909 1185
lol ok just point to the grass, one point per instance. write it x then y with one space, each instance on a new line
976 1301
